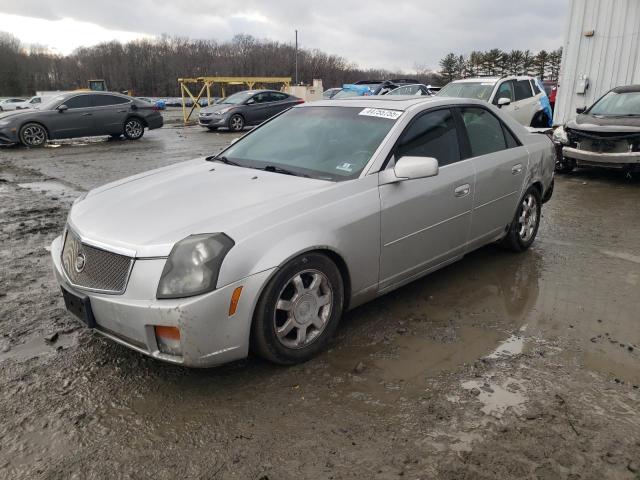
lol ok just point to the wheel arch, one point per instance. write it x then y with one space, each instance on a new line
137 117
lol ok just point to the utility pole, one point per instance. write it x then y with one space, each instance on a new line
296 57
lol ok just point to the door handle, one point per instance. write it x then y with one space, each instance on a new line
516 169
122 111
87 114
462 190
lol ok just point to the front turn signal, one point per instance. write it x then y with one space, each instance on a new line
235 298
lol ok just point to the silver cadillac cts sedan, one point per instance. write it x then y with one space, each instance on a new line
328 205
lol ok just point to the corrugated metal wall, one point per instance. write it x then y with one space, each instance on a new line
609 58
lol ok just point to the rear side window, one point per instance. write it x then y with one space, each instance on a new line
536 89
431 135
523 90
484 130
104 100
278 97
79 101
505 90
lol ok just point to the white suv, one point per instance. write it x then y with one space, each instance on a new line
519 96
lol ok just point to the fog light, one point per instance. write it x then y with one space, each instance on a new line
168 339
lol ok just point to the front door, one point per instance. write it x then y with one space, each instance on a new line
75 121
500 163
259 110
425 222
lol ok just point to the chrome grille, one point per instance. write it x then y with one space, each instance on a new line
95 269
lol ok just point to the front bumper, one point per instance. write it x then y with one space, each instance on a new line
595 158
208 335
8 135
212 121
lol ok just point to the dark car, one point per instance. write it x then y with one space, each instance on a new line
607 134
251 107
79 114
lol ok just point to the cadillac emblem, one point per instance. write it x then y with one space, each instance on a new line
80 262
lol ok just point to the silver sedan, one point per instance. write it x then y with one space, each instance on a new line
263 247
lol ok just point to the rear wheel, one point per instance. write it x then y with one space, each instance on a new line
236 123
524 227
133 129
540 120
33 135
299 310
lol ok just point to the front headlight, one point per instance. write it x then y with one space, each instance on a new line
222 112
560 135
193 265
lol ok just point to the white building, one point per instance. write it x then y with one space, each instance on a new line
601 51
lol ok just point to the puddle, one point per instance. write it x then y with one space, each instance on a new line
513 345
36 347
51 188
497 398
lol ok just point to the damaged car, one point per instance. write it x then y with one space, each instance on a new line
607 134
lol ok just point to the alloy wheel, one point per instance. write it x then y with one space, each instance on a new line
528 220
303 309
133 129
34 135
236 123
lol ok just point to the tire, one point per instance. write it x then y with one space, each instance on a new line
524 227
566 165
285 329
540 120
133 128
236 123
33 135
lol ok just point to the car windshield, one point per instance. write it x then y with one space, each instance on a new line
479 90
51 103
617 105
237 98
408 90
328 143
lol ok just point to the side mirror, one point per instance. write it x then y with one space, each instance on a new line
580 110
251 101
408 168
503 101
62 108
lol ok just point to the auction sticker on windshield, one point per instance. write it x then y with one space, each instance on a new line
381 113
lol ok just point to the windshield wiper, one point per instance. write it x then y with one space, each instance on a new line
273 168
222 159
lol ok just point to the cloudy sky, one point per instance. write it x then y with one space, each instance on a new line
396 35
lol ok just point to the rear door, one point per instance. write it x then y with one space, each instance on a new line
425 221
500 163
109 113
280 102
75 121
525 104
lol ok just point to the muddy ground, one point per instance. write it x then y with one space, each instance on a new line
503 365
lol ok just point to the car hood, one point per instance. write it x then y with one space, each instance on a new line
217 107
592 123
15 113
147 214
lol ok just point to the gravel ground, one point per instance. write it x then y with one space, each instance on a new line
503 365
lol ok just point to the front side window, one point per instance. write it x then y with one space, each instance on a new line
505 90
105 100
433 134
523 90
328 143
79 101
484 131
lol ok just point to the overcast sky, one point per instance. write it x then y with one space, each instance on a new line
395 35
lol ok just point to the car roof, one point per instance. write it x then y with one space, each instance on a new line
493 79
626 89
393 102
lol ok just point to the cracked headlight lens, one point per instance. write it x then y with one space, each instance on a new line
193 265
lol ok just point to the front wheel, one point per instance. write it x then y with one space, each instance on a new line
33 135
524 227
133 129
236 123
299 310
